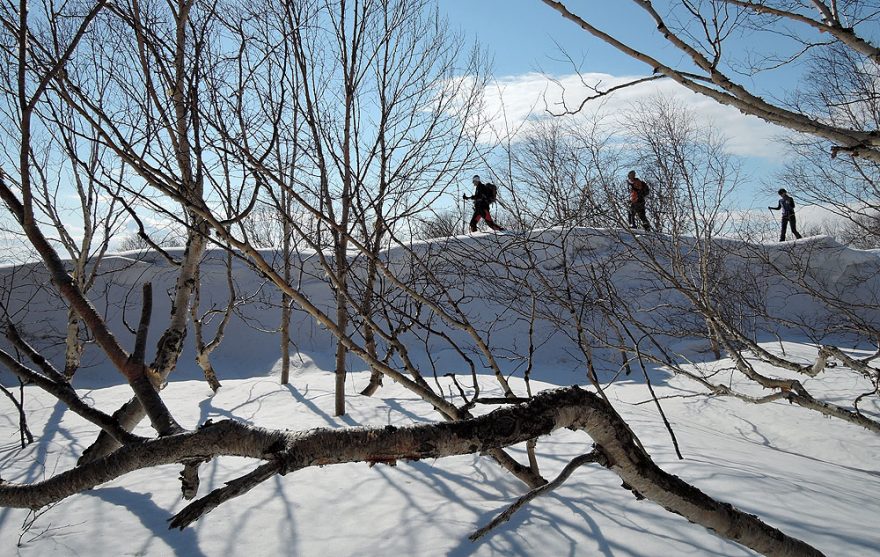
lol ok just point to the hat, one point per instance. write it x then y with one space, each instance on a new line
476 178
781 191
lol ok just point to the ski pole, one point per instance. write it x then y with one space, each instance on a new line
774 216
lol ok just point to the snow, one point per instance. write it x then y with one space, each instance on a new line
813 477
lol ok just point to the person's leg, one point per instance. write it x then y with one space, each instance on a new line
474 220
784 228
631 216
793 222
488 217
644 218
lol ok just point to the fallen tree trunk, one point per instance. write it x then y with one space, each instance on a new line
571 408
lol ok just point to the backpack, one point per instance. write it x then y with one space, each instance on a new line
639 195
491 192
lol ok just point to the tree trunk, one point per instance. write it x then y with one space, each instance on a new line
367 309
285 339
285 299
341 352
204 361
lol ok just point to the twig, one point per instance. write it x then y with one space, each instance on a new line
26 437
657 403
142 232
30 519
594 456
667 397
460 390
38 359
781 346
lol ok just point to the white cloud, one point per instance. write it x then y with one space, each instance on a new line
512 101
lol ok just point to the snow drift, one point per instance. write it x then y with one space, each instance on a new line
814 478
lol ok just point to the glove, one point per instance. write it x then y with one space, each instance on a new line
464 196
772 208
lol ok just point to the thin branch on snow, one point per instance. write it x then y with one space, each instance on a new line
589 458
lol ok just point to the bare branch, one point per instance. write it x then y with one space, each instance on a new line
594 456
721 88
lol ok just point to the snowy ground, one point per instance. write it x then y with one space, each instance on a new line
815 478
812 477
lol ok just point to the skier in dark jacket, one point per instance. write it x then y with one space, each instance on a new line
484 195
786 203
638 191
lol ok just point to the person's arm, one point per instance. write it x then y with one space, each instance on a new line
778 206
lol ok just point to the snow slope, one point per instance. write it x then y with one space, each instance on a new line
815 478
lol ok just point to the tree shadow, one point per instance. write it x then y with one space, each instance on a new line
40 449
152 517
332 421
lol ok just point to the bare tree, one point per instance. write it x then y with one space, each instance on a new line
67 166
100 213
34 75
563 171
688 168
156 57
440 225
692 283
725 281
137 242
375 152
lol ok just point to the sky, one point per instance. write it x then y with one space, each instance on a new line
528 41
526 35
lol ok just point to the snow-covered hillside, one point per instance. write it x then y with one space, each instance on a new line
814 478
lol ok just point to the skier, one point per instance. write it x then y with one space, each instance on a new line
786 203
484 195
638 191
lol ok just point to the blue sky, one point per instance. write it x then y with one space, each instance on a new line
525 36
